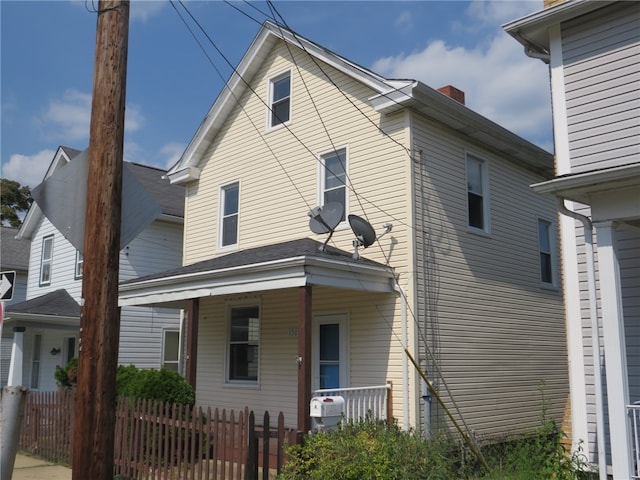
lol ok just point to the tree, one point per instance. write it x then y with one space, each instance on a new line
16 199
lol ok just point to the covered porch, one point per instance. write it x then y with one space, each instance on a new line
612 258
271 326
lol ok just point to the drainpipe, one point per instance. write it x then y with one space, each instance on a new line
595 332
405 363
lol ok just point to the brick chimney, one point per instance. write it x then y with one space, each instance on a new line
452 92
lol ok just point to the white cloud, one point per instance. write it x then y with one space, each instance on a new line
28 169
171 153
404 21
499 81
67 117
144 9
492 13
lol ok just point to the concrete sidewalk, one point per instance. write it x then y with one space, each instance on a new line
31 468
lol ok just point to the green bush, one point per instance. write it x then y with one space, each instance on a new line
67 376
163 385
371 450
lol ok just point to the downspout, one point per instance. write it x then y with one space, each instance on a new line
595 332
405 363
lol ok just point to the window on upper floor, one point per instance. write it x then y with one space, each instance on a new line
243 344
545 246
477 194
171 350
280 99
333 177
229 203
46 260
79 265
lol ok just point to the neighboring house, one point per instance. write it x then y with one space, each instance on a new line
593 52
50 315
14 257
461 280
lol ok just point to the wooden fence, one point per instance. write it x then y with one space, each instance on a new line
161 441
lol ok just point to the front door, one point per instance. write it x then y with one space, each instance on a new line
330 351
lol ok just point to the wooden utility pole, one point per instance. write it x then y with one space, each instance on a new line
94 422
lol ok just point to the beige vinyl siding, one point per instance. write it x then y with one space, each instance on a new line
279 184
602 79
371 342
497 334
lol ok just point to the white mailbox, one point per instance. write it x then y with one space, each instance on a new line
327 412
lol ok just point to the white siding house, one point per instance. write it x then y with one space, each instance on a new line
50 315
593 52
455 281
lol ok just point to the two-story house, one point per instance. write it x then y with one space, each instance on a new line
47 322
465 281
593 52
14 257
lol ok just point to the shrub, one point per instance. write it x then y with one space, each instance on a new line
163 385
67 376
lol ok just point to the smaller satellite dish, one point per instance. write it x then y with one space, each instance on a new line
326 218
363 230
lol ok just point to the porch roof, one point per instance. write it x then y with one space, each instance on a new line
56 309
283 265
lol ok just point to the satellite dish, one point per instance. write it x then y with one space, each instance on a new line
364 232
325 219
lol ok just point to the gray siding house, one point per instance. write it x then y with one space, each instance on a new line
593 52
47 322
461 281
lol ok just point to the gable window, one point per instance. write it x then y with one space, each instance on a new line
46 260
477 194
244 343
546 254
333 178
280 99
170 349
229 217
79 265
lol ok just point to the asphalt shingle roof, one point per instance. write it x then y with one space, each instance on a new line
14 253
58 303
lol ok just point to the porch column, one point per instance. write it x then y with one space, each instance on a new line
193 312
304 358
614 350
17 358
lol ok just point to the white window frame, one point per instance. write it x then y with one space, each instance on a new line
342 319
46 262
551 252
484 194
272 81
322 178
163 361
223 197
36 362
228 342
79 265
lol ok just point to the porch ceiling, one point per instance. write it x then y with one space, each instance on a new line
285 265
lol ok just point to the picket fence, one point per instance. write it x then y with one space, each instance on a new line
154 440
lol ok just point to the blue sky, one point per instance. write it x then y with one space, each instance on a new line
48 49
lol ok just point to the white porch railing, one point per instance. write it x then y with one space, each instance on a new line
634 413
360 401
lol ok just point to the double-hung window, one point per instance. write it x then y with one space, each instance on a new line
79 265
171 350
229 198
280 99
546 253
334 177
477 194
244 343
46 260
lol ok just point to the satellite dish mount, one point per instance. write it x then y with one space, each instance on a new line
325 219
365 234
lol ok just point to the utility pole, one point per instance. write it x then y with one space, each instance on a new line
94 422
